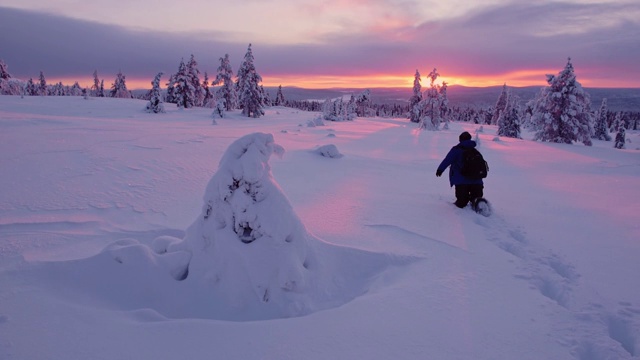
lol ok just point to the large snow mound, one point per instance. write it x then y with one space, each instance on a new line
246 257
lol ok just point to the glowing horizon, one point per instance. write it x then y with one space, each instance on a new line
520 78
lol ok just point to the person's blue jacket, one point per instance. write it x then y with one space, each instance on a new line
454 159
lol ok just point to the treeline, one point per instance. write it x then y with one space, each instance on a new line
428 107
185 88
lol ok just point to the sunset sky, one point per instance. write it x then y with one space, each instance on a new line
330 43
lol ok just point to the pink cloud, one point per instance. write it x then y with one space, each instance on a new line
492 45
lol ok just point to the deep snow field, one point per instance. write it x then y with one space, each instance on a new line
127 235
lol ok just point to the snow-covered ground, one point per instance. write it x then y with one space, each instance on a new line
120 238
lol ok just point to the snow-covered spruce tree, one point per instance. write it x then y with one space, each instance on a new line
208 100
615 124
101 91
248 230
613 127
194 80
362 102
4 77
351 108
30 88
183 90
338 110
219 111
430 108
279 101
621 132
601 128
266 100
414 100
155 104
119 87
75 90
8 85
171 87
57 89
227 90
42 85
509 119
95 88
334 110
328 110
562 111
4 71
248 81
501 105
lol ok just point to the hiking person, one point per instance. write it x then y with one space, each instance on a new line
467 188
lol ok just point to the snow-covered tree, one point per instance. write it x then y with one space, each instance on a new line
501 104
224 78
183 90
155 104
430 109
617 119
328 112
57 89
101 90
4 71
279 101
266 100
208 100
414 100
621 132
119 87
562 111
95 88
601 128
219 111
170 89
362 102
30 88
338 110
248 81
9 85
194 80
42 85
76 90
509 118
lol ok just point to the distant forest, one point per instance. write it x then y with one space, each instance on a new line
454 102
465 103
462 96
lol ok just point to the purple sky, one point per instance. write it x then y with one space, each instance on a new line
348 43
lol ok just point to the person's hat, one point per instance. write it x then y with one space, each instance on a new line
465 136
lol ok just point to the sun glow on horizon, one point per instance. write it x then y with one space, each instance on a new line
520 78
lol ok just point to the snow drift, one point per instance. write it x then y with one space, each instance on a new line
246 257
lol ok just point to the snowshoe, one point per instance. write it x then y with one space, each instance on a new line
482 207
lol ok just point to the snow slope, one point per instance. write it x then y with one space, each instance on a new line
97 197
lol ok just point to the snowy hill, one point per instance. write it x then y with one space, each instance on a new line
127 235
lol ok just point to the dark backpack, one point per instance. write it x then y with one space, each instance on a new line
473 164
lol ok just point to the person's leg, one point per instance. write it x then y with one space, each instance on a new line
475 192
462 195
